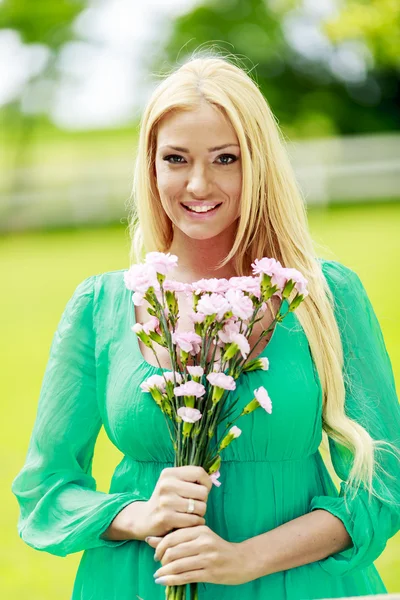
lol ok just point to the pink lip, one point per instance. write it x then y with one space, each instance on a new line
201 216
189 203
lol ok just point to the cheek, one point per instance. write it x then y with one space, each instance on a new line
168 183
233 186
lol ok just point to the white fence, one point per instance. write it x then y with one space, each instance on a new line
350 169
354 169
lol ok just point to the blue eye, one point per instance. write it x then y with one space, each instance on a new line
231 156
171 159
166 158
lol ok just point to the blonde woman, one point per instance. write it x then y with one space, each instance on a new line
214 186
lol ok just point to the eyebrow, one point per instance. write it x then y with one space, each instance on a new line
180 149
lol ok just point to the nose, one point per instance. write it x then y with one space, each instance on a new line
199 183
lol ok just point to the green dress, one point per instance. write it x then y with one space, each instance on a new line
271 474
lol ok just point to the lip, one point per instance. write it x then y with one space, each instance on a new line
202 215
205 203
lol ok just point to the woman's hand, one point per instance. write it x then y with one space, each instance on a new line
167 508
195 554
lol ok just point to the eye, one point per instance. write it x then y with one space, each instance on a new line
229 156
176 159
173 162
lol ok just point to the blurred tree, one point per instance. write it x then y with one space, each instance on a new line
42 21
376 22
305 79
49 24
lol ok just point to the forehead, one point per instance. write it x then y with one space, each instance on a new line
204 122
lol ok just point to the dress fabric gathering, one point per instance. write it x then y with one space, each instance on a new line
271 474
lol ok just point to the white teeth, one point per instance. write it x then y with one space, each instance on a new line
199 209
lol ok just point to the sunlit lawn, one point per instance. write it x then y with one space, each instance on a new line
39 272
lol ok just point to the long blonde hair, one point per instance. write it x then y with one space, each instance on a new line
273 218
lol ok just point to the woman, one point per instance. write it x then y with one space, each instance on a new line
276 527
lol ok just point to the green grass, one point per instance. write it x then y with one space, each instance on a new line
39 273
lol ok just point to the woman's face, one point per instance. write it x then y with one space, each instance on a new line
198 165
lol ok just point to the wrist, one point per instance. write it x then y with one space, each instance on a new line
254 561
137 518
126 524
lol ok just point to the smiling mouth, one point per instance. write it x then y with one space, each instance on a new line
202 209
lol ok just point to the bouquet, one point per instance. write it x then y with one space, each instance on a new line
207 361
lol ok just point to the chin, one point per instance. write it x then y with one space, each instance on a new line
201 235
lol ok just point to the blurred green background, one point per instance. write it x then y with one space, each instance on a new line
74 77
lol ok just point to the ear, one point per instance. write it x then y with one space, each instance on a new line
153 541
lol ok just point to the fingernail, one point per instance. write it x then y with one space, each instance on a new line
155 557
148 538
161 580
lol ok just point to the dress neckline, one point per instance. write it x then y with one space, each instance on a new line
156 368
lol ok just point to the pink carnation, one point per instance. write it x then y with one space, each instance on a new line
230 335
214 478
197 317
300 282
137 328
140 277
262 397
231 326
211 304
241 341
190 388
246 284
161 263
137 298
226 382
155 381
152 325
241 305
188 341
195 371
266 265
190 415
219 286
279 279
235 431
170 285
169 376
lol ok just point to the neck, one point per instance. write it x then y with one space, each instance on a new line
198 259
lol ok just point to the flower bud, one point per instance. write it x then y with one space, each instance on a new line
142 335
187 428
250 407
230 351
217 394
256 364
160 278
215 465
287 290
297 300
157 396
234 432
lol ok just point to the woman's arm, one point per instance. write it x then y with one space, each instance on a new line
61 511
307 539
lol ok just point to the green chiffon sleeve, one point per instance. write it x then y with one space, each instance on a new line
60 510
370 400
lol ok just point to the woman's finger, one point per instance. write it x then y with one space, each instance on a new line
183 550
200 507
177 567
177 537
183 578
